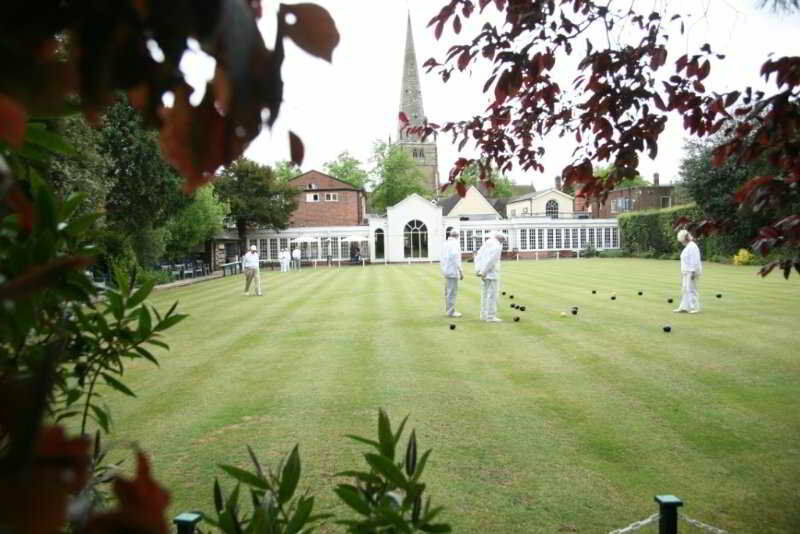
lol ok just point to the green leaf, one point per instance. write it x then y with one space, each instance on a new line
101 417
245 477
146 354
219 500
115 304
387 468
290 476
116 384
438 527
71 204
53 142
385 436
301 515
368 478
411 454
352 497
156 342
72 396
145 327
66 415
258 522
365 440
255 462
169 322
78 226
141 294
421 466
400 429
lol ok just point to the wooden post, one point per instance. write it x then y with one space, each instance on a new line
668 508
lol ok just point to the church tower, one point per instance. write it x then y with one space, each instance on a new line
424 154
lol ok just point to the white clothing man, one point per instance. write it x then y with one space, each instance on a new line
296 257
284 259
250 264
451 270
691 269
487 267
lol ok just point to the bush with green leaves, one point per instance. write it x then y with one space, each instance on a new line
54 317
651 234
386 497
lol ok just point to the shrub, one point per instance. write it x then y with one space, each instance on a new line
650 234
153 277
744 257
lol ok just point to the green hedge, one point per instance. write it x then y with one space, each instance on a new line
650 234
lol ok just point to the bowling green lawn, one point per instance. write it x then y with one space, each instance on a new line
552 424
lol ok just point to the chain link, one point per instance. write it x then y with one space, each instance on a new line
701 525
636 525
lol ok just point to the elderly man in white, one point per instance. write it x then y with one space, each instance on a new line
451 270
487 267
691 269
250 264
284 259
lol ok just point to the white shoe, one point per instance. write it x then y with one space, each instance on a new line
246 294
455 314
494 320
679 310
694 311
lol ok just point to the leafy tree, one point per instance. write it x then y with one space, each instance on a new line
501 185
603 173
285 171
347 169
713 189
88 171
146 191
624 88
195 223
395 176
254 197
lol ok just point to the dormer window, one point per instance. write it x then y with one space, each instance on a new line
311 186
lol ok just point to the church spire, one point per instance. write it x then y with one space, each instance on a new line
425 154
410 92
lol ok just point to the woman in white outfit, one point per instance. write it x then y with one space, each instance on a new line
691 269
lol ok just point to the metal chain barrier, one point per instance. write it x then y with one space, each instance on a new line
701 525
636 525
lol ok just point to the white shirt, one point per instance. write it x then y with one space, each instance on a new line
296 254
250 260
487 260
284 255
451 258
690 259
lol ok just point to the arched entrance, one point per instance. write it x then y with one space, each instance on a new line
415 240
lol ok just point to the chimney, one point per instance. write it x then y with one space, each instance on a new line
655 179
558 183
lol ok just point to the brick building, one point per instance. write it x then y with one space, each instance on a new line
637 198
327 201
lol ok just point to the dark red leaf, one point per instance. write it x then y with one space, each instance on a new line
296 149
12 121
313 29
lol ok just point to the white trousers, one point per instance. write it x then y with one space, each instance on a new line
284 266
690 300
488 299
450 292
251 274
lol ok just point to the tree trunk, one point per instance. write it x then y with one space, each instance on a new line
241 228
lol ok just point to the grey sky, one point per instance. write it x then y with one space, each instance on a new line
348 105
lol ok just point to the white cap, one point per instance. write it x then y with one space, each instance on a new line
253 248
